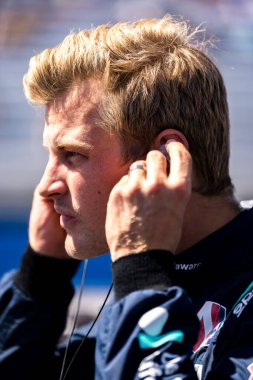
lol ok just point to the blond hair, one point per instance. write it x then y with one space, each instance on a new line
156 76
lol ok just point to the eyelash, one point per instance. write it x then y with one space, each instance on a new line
70 154
70 157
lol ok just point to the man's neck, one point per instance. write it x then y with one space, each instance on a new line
205 215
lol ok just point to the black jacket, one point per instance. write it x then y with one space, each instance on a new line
175 317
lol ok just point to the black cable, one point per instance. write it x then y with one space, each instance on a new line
84 338
75 319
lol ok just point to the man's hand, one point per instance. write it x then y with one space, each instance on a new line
45 233
146 207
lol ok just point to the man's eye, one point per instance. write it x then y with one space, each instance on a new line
70 154
72 157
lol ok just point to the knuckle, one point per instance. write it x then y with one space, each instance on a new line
126 192
155 188
154 155
132 191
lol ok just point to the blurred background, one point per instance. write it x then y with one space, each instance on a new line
29 26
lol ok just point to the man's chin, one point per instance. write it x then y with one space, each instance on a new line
82 251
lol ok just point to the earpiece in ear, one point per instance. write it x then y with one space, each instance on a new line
164 137
171 134
164 152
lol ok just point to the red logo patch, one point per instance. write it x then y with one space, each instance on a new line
211 316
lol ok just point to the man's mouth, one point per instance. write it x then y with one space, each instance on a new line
66 218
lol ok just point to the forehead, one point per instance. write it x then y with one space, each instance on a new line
72 121
80 101
76 111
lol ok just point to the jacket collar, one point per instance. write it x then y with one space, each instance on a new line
224 253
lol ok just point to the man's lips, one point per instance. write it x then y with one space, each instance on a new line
66 218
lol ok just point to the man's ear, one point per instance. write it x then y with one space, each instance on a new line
169 134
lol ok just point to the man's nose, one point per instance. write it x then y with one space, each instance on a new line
52 183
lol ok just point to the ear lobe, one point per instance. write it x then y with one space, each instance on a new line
170 134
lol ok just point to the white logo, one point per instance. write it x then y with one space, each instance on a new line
187 266
150 370
242 304
153 321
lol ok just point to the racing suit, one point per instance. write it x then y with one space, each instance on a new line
174 317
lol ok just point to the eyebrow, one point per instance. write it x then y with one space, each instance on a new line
69 144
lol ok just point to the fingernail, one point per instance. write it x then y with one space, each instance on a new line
171 140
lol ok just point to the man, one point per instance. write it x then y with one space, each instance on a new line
137 129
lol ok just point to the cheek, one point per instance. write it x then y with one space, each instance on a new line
101 184
90 196
92 189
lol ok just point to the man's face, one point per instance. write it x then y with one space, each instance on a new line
85 162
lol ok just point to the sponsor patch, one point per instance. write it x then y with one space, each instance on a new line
149 341
159 365
211 317
153 321
152 324
186 266
238 309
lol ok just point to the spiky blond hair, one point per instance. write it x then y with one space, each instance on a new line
155 76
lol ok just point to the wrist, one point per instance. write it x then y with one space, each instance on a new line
45 277
148 270
123 251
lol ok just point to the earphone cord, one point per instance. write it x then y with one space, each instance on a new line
63 376
85 265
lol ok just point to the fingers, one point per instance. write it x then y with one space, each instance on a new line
180 164
155 168
137 172
146 207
